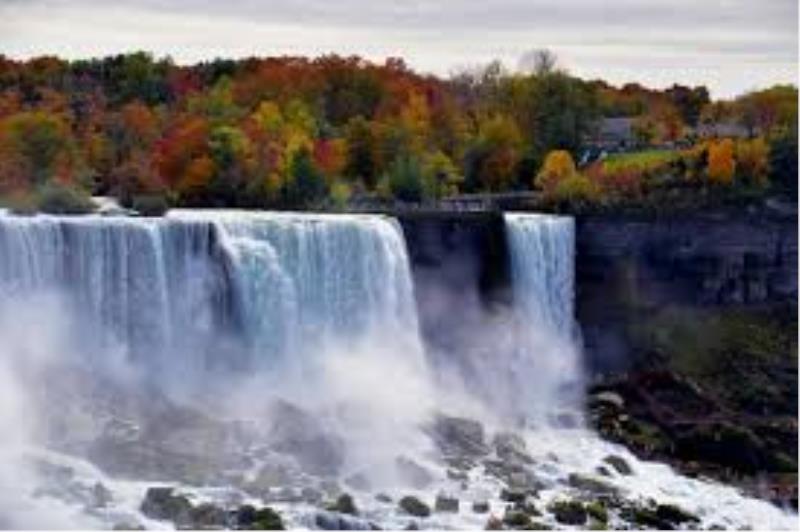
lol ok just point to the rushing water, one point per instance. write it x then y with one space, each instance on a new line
237 307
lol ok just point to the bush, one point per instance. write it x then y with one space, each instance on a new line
150 204
20 203
576 189
55 198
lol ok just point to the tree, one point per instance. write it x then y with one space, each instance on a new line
405 180
783 161
500 142
40 142
752 161
306 185
558 166
721 163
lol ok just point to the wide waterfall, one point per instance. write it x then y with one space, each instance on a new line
202 290
275 358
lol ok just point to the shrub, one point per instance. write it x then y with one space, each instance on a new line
150 204
20 203
56 198
576 189
406 181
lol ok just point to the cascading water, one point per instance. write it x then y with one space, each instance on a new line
546 367
168 290
314 309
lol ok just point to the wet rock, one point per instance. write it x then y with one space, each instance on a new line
527 506
592 485
568 512
208 517
344 504
101 495
619 464
127 526
675 515
413 506
457 436
446 504
164 505
480 507
645 517
455 474
297 433
603 470
250 518
512 495
597 511
511 447
517 519
338 521
412 474
382 497
609 399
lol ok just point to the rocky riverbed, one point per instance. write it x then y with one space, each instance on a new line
476 476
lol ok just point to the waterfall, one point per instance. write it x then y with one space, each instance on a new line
542 254
214 289
544 369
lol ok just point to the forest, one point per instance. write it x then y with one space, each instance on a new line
333 132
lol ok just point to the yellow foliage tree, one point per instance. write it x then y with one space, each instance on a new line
558 166
752 160
721 164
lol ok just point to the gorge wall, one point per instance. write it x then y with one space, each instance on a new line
624 267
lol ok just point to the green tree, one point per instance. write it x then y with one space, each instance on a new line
306 186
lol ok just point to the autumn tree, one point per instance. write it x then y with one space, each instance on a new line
721 162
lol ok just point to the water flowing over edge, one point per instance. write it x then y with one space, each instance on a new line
290 250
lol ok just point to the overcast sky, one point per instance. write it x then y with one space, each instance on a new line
731 46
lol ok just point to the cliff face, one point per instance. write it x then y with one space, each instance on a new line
460 268
626 268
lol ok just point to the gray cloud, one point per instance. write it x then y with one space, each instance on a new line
730 45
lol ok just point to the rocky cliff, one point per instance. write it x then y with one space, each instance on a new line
627 269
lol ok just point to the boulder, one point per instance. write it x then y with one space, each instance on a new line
456 436
338 521
591 485
619 464
609 399
344 504
516 519
413 506
446 504
163 504
480 507
568 512
511 447
296 432
208 516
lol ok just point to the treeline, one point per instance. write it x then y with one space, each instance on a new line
303 133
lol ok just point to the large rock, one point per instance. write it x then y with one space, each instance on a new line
413 506
162 503
298 433
456 436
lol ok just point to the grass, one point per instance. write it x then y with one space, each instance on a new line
642 160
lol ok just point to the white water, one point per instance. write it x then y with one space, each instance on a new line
236 307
